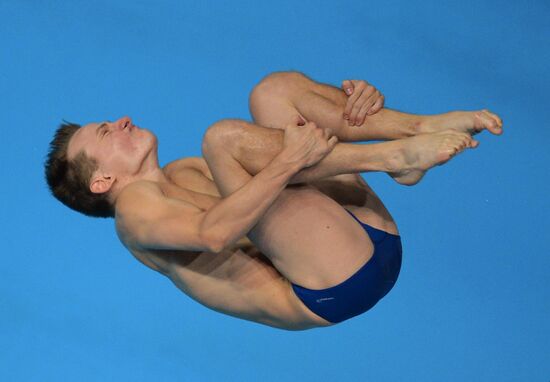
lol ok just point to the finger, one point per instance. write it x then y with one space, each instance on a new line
314 128
369 102
365 95
372 101
367 107
332 142
377 106
321 135
350 102
362 114
347 86
358 90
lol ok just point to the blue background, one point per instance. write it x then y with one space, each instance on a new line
473 300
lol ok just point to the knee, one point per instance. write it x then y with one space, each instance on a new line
220 135
277 84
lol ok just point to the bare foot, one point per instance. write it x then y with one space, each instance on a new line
422 152
471 122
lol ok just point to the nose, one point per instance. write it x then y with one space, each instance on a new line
123 122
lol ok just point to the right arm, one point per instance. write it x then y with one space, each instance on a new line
155 221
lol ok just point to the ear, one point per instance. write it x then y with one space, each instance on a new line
101 183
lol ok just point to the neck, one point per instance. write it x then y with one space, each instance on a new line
154 175
149 171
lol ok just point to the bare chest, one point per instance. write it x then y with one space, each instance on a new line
193 187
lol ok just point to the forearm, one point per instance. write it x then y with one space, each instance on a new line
235 215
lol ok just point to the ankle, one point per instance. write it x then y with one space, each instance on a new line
422 124
395 161
426 124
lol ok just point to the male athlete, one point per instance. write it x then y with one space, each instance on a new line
321 264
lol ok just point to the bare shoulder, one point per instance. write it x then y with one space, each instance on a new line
146 218
135 196
133 206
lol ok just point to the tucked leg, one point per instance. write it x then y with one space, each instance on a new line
284 94
252 147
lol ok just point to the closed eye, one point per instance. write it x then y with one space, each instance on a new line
101 130
105 131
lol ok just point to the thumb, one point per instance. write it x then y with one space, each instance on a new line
347 86
332 142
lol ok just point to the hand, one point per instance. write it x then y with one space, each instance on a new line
306 144
363 99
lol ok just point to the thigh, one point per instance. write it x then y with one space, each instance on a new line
352 192
311 239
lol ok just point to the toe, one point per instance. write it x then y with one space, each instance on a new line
486 121
495 117
472 143
491 125
492 122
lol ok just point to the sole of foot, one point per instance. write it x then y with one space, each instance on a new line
425 151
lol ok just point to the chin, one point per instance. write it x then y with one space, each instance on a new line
150 142
148 137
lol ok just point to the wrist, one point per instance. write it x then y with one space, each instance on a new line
284 162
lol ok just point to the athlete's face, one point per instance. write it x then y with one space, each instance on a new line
118 147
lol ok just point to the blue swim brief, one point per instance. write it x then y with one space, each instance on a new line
365 288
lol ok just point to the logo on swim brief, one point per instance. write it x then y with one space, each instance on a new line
320 300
